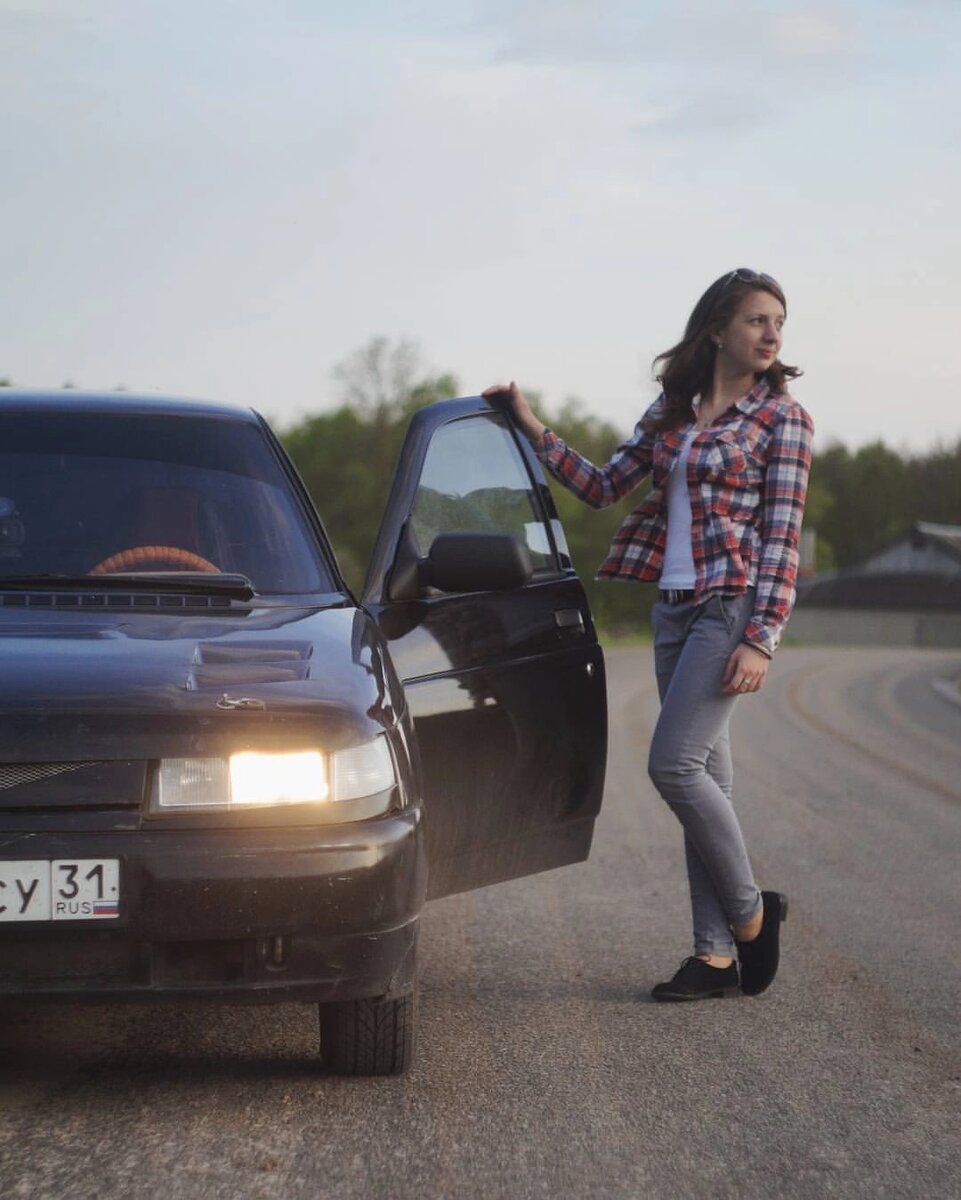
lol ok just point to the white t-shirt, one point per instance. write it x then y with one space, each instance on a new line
678 570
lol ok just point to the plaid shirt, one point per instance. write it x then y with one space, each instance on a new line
747 478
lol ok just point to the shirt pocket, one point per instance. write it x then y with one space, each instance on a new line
724 460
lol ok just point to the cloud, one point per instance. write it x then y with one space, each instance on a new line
812 32
693 67
722 32
707 113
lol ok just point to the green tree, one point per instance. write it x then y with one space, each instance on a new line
857 502
347 456
819 513
933 487
862 496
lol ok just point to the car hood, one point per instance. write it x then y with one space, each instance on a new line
142 684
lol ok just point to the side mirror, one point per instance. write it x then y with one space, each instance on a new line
460 562
477 562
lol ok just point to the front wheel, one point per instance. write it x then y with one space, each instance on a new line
368 1036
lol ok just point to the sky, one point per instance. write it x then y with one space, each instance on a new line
226 198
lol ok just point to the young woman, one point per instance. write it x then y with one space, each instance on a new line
729 451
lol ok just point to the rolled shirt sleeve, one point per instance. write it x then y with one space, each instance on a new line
600 486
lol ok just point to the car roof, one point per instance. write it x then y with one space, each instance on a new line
55 400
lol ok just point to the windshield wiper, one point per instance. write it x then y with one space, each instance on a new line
195 582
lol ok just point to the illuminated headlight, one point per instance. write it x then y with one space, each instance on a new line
278 778
257 780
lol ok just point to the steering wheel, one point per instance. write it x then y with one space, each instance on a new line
138 557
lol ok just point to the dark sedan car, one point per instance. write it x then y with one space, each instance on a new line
222 775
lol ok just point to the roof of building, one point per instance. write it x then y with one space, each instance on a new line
920 571
927 549
946 536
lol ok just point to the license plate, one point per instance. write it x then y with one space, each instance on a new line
60 889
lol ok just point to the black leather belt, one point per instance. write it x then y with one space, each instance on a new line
676 595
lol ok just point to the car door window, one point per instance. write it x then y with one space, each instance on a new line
475 481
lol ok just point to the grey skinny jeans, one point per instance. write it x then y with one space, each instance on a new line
690 760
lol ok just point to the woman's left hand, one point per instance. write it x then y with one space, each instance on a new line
745 672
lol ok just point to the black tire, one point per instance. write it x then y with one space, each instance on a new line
368 1037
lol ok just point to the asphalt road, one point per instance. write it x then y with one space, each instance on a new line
543 1068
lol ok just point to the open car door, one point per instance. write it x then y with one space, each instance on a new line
490 631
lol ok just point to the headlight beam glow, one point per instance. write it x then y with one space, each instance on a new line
257 778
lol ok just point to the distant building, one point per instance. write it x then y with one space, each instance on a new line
928 548
907 594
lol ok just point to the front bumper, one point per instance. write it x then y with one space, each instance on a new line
242 916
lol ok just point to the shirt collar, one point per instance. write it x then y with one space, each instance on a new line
755 397
750 402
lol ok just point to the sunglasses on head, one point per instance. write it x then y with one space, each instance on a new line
747 275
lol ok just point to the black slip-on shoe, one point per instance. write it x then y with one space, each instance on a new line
759 957
698 980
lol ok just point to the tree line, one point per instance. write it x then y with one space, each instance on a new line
858 502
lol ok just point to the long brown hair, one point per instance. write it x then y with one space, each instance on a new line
689 366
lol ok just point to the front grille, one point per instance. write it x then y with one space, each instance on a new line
14 774
58 786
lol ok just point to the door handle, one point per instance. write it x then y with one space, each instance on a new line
569 618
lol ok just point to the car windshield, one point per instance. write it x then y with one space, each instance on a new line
121 492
